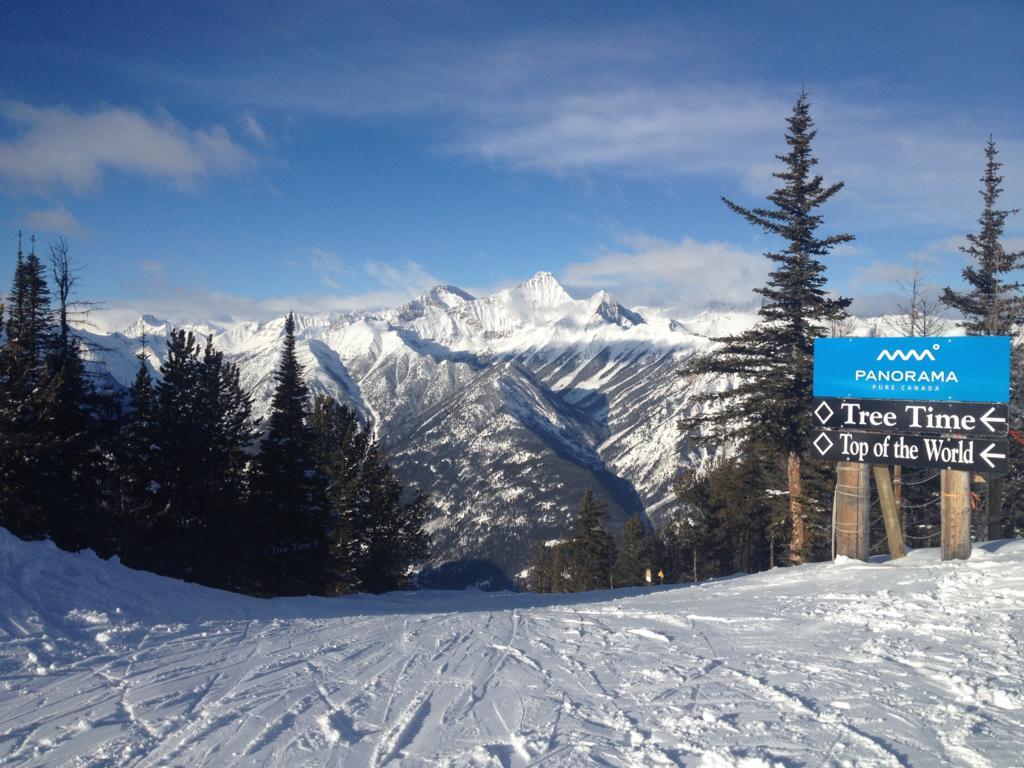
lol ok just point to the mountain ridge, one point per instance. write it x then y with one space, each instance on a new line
504 407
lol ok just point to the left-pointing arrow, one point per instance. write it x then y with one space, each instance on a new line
988 455
988 420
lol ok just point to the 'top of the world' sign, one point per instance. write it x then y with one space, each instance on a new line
959 368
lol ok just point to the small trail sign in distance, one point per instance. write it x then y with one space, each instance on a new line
972 369
975 454
911 416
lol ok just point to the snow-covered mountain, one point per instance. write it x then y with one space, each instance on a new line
504 407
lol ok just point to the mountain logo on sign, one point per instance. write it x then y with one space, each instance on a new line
922 380
907 355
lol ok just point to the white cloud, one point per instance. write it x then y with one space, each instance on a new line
685 275
869 305
879 272
58 147
226 309
156 295
897 169
882 286
678 130
664 104
410 279
58 220
254 130
941 250
328 266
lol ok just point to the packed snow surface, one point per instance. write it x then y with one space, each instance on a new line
915 662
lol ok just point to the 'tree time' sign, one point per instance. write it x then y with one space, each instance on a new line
911 416
960 368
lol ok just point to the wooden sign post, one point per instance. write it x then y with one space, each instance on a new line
890 511
853 510
956 514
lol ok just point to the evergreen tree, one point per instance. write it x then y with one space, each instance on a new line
593 549
82 425
548 565
694 526
180 439
669 552
376 527
1014 484
540 568
340 447
289 493
993 304
6 423
388 535
30 325
561 564
27 444
139 458
201 429
773 362
745 514
634 556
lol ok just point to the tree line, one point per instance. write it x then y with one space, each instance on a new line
176 476
589 558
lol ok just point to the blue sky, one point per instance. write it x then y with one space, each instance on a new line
236 160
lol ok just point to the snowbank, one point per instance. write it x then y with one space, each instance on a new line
915 662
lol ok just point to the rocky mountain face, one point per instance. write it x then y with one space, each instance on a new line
504 407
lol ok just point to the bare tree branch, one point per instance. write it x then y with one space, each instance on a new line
921 314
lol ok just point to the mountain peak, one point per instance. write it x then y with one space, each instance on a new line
447 295
149 325
443 297
543 289
603 305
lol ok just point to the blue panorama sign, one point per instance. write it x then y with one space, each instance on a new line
972 369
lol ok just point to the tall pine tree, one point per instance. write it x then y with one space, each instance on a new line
289 493
26 429
30 325
993 304
139 457
78 472
773 362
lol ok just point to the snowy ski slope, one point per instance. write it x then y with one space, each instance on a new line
885 664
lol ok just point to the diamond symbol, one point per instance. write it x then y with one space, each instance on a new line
823 417
823 438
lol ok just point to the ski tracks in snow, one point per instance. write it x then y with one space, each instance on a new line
832 665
